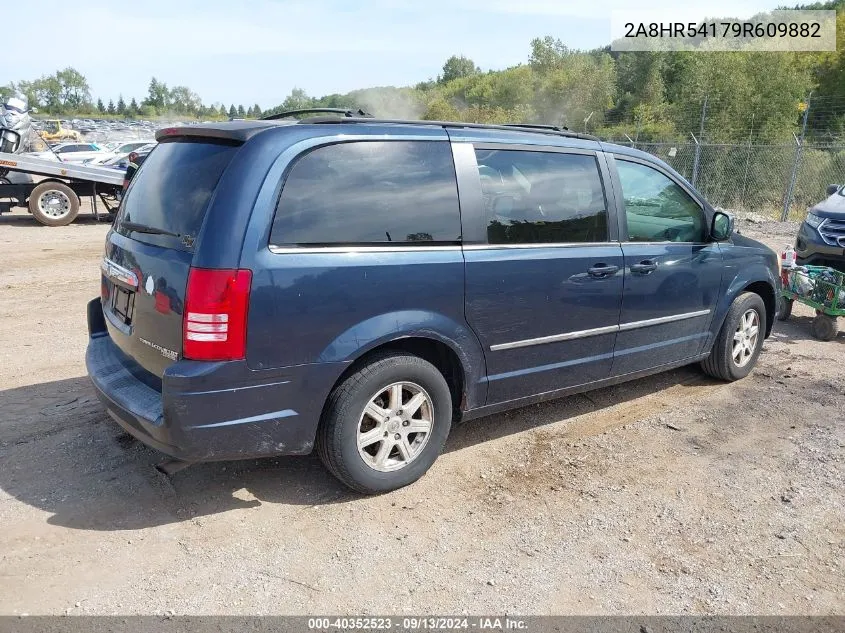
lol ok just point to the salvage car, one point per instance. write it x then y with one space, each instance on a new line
358 286
71 152
821 236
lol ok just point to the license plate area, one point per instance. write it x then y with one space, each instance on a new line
123 304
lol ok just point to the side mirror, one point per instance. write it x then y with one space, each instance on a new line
722 227
832 189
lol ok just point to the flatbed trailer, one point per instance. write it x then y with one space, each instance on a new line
54 199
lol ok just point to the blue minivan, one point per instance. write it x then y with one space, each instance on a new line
360 285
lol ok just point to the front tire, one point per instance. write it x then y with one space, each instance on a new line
54 204
385 425
740 340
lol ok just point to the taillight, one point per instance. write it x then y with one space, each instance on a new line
214 324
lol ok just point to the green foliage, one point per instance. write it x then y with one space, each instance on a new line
121 105
241 112
100 107
456 68
111 109
183 101
157 96
233 112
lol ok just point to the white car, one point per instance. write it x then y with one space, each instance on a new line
119 151
71 152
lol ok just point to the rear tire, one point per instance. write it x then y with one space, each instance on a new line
368 441
54 204
824 327
735 351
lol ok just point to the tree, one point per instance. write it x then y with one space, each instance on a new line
296 100
111 109
133 107
250 113
456 67
100 107
121 105
184 101
74 91
548 53
223 112
241 112
256 111
232 111
158 95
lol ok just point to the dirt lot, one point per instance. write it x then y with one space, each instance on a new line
673 494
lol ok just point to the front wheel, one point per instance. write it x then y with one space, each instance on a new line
740 340
385 425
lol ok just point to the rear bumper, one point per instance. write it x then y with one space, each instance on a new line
209 411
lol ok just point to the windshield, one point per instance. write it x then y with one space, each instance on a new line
171 190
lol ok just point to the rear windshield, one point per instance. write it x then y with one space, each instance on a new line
170 192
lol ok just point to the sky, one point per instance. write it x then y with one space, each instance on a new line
256 51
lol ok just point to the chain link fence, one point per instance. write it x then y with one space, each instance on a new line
774 180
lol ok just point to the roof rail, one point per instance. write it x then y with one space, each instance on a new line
509 127
348 113
539 126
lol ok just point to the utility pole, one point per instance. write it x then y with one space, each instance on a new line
697 159
798 151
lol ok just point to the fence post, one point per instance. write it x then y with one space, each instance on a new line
695 159
790 188
747 165
697 144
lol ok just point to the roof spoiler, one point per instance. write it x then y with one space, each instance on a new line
233 132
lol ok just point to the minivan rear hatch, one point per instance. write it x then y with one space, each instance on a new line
151 247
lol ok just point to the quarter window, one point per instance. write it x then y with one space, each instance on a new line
370 193
657 208
541 197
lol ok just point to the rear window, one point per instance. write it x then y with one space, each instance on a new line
370 192
172 190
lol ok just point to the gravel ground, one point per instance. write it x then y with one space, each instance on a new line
673 494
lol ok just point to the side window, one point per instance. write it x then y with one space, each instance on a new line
541 197
370 192
657 208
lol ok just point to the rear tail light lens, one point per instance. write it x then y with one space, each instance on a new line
216 304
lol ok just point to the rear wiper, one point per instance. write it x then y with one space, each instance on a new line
143 228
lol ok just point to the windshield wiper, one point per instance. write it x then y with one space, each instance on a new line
143 228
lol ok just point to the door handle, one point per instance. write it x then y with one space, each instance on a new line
644 267
600 271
